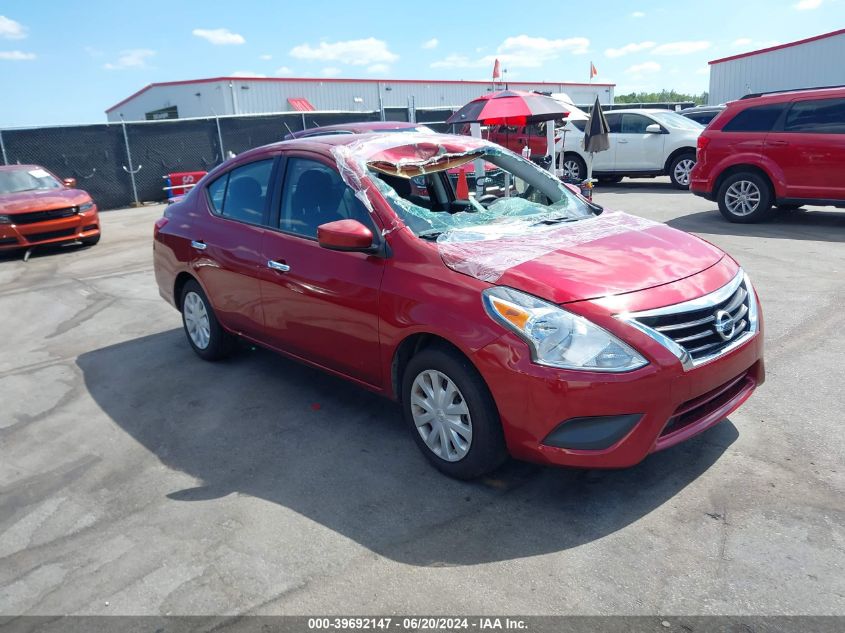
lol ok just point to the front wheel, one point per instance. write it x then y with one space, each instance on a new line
745 198
90 241
679 170
451 414
205 334
573 168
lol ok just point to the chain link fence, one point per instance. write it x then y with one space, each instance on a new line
121 164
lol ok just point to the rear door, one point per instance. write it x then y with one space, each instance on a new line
809 146
638 150
320 305
226 243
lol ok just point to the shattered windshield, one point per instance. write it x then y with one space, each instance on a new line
487 187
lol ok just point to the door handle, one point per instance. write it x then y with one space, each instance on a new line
621 141
199 245
282 268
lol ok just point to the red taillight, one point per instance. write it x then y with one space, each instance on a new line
701 145
159 224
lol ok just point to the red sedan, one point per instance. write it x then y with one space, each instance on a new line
528 323
37 208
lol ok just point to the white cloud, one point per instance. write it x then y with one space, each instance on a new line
16 56
432 43
457 61
265 57
628 49
246 73
527 52
219 37
704 70
740 42
378 69
354 52
638 14
132 58
681 48
331 71
806 5
644 68
284 70
11 30
519 51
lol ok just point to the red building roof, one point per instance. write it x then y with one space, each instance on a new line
515 84
779 46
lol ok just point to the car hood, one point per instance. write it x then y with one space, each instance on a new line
611 254
45 200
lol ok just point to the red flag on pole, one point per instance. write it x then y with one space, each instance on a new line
593 71
496 73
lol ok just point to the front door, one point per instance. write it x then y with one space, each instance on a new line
636 149
320 305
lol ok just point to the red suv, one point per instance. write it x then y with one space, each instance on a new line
784 149
522 320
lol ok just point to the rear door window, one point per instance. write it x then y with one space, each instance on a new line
614 122
817 116
756 119
241 194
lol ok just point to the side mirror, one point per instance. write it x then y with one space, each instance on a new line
654 128
345 235
70 183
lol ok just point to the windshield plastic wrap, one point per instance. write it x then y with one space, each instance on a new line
486 252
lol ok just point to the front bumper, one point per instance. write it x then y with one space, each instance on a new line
672 404
75 227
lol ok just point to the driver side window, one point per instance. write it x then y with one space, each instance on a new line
635 123
315 194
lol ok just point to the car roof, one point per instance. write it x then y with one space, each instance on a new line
637 111
703 108
324 144
357 127
778 97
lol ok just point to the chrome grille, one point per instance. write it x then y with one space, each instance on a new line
703 328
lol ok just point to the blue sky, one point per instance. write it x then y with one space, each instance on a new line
67 62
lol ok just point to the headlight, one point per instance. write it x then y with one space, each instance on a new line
559 338
5 219
87 206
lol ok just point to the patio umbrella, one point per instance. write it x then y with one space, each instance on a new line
595 135
510 107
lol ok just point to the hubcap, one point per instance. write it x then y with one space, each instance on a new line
441 415
742 197
196 320
571 169
682 170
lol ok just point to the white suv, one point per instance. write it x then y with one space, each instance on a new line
642 143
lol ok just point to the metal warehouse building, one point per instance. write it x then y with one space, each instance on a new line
815 61
240 95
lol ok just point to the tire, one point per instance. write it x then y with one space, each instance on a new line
211 342
90 241
757 204
680 168
468 455
573 167
612 180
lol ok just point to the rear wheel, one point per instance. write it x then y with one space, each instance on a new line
451 414
745 197
205 334
680 168
573 167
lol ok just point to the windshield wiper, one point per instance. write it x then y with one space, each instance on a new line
430 235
